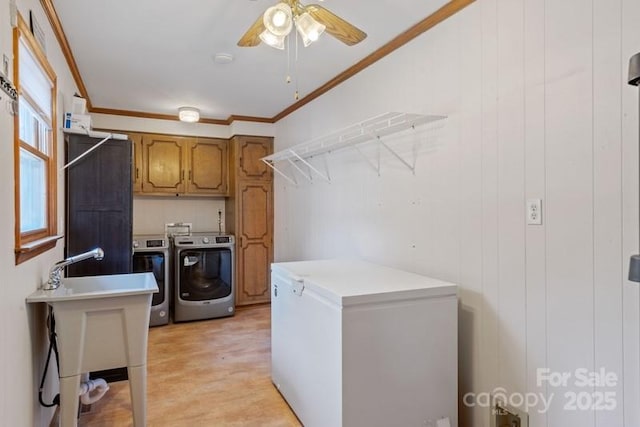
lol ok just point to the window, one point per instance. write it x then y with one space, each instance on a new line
35 147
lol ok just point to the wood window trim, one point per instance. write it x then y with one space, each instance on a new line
36 247
29 245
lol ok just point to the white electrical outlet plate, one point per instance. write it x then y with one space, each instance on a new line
534 211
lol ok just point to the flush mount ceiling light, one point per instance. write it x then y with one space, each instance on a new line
188 114
310 21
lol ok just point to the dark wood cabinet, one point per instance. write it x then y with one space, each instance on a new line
136 172
99 205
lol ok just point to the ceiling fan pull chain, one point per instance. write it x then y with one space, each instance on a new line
296 96
288 59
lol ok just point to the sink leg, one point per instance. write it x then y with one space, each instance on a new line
69 387
138 387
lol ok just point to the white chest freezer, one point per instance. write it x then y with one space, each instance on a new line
357 344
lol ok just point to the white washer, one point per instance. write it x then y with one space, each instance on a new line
151 254
204 276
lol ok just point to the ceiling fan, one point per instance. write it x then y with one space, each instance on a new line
310 21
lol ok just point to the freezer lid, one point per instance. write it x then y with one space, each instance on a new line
353 282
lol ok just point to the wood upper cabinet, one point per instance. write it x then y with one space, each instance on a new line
250 150
208 159
184 166
163 164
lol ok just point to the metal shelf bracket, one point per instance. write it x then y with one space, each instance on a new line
411 167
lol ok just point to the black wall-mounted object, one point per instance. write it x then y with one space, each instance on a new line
634 80
99 205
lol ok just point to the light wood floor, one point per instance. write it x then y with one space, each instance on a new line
206 373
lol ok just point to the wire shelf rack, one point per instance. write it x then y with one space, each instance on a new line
372 129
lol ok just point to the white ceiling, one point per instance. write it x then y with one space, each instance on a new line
155 56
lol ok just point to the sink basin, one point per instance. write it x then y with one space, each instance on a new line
91 287
102 322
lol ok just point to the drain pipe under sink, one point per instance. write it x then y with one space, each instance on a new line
87 386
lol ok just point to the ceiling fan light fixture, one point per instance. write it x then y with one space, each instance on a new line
278 19
308 28
188 114
272 40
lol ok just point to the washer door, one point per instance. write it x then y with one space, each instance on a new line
205 274
152 262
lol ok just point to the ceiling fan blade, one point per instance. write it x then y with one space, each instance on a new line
252 36
336 26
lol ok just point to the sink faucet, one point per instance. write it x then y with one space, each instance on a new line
56 271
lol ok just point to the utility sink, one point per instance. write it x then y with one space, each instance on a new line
102 322
90 287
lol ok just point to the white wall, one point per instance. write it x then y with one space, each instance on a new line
538 107
150 214
22 328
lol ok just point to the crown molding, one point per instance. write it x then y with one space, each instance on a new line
146 115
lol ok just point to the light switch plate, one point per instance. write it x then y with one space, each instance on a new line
534 211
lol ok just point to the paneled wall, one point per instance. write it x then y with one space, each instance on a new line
538 107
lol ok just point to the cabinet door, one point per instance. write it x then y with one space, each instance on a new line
137 161
250 150
208 160
163 164
99 206
255 242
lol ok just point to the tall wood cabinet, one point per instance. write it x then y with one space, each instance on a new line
99 205
249 215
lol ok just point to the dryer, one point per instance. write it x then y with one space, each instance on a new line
151 254
204 276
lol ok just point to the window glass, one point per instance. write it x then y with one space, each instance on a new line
33 192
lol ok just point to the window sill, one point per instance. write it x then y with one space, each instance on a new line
35 248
